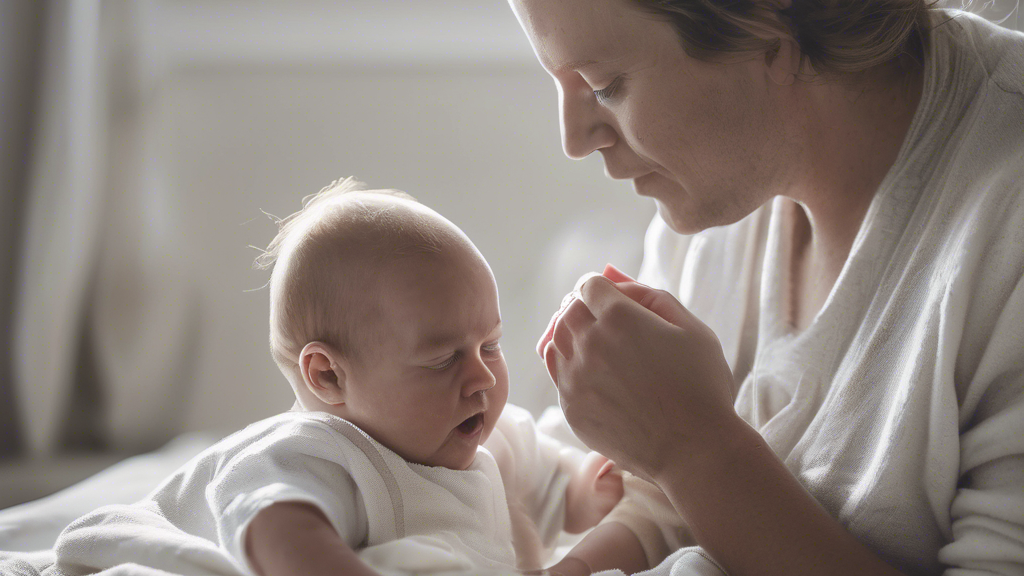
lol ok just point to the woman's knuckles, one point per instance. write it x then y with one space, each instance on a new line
577 316
551 363
563 339
619 315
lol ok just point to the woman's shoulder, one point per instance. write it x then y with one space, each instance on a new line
972 105
994 47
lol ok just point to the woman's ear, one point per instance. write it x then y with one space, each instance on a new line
783 62
323 373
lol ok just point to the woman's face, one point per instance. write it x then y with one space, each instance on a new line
704 140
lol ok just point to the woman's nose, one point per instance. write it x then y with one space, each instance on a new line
477 377
583 130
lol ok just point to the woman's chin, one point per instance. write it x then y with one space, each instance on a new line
679 221
670 197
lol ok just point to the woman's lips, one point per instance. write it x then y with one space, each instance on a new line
625 174
640 181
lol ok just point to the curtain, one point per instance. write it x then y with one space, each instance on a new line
20 30
62 220
102 313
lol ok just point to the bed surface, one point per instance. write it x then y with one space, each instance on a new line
35 525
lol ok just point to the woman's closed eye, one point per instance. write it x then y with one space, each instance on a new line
607 93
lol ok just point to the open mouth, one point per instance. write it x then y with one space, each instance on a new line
472 425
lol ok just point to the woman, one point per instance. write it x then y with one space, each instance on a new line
841 390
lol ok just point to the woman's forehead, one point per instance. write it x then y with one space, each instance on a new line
568 34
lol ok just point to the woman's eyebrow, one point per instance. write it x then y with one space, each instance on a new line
574 65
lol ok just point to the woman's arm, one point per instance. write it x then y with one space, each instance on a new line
754 517
288 538
645 382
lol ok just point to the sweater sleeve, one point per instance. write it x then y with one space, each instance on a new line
987 511
536 470
301 461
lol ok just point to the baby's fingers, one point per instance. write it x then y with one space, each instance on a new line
594 464
609 489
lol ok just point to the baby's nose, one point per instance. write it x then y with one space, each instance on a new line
478 379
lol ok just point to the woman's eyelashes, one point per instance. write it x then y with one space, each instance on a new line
487 350
607 93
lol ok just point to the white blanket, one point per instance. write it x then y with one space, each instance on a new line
146 544
186 555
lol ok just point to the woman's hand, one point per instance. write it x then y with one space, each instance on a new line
639 378
593 491
642 380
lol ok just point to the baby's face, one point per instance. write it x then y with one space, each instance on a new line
433 390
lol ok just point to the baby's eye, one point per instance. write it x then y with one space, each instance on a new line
451 360
492 348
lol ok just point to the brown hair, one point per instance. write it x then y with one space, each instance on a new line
836 37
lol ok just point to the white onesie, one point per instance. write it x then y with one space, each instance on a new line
401 517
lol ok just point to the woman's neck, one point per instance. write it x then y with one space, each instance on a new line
853 138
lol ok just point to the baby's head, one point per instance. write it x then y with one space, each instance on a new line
382 312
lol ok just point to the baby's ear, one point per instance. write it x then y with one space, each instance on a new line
323 373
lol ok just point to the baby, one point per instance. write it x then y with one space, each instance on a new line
384 318
400 455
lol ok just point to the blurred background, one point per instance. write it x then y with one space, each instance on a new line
142 140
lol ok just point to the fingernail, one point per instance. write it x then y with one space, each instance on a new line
583 280
615 275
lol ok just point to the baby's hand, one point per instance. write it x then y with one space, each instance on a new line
592 493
